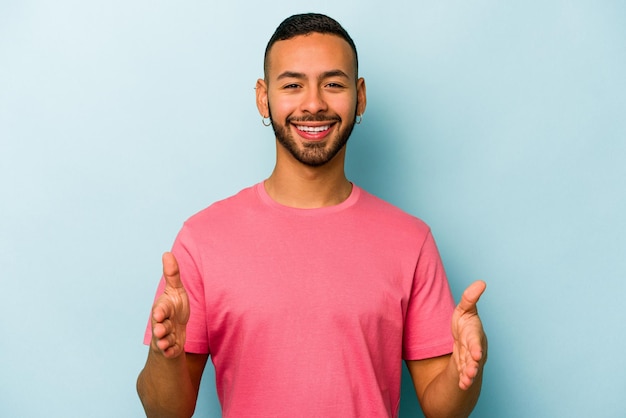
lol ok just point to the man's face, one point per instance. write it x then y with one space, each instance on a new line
312 96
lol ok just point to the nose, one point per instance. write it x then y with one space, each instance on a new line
313 101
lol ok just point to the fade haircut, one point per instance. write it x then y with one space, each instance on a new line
306 24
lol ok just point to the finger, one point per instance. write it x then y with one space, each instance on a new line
467 378
468 370
162 310
165 343
171 273
471 295
162 329
476 351
172 351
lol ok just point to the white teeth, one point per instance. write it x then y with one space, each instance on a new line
313 129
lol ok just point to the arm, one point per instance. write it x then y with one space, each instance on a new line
449 386
169 383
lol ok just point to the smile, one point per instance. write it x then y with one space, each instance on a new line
312 129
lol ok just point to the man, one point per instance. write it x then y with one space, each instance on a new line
305 290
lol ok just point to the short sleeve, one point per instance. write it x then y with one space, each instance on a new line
184 250
427 331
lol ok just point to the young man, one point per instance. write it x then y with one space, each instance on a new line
305 290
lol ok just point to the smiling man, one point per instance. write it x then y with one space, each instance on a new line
319 99
306 291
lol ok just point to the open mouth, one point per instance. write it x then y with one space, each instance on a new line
313 132
312 129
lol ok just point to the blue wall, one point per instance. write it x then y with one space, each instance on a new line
501 124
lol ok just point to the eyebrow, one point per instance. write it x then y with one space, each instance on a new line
326 74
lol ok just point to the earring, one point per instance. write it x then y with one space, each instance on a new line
268 123
359 119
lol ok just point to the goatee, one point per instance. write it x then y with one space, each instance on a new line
313 154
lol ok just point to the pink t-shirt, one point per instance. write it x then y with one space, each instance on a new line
309 312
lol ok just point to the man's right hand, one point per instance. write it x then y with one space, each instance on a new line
170 312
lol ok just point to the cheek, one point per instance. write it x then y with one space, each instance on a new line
282 105
343 104
345 109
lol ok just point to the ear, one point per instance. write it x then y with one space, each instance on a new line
261 98
361 96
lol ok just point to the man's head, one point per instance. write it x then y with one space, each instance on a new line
311 91
306 24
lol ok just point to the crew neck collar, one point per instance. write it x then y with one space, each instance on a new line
267 200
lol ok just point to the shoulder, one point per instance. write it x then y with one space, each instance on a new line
227 207
391 216
222 215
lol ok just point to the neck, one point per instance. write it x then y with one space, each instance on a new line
300 186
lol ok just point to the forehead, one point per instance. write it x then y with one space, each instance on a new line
309 54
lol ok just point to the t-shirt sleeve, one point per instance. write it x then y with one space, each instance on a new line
191 277
427 331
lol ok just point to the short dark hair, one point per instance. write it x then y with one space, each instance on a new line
305 24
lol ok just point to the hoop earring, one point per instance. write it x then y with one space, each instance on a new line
268 123
359 119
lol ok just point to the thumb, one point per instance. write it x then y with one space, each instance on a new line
171 273
471 295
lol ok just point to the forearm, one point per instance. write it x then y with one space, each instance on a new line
165 387
444 398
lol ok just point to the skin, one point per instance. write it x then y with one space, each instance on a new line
313 94
169 382
310 83
321 110
449 386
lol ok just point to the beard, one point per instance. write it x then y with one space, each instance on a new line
313 154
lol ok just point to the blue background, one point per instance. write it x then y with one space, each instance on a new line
501 124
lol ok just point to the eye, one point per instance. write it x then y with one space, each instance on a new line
291 86
334 85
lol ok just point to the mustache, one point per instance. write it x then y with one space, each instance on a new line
314 118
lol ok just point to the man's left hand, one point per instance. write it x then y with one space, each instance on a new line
470 341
